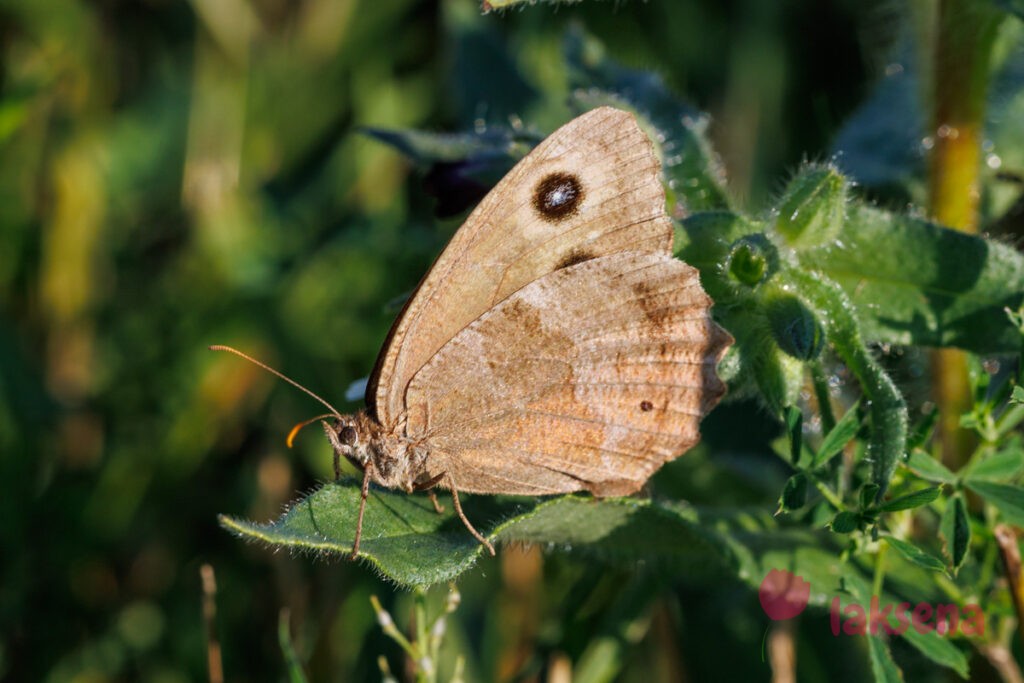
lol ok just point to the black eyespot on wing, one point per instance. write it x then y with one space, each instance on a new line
646 406
558 196
347 435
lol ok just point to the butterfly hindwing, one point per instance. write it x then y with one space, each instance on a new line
589 378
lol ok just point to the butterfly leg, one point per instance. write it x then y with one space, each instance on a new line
438 508
428 485
363 493
337 466
462 516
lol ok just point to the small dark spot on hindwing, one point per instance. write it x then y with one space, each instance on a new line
646 406
558 196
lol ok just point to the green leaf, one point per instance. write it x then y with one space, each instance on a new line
916 555
1001 466
882 665
424 147
403 537
879 145
955 531
1018 394
296 674
838 437
408 542
1015 7
868 495
623 625
845 522
1009 500
925 466
911 500
795 430
692 170
462 166
939 649
915 283
794 494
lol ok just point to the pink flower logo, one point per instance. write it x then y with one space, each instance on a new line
783 595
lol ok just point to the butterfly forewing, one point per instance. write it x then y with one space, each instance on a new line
591 189
589 378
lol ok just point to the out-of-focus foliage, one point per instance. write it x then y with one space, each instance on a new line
176 174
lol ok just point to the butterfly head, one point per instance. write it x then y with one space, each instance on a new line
394 462
351 437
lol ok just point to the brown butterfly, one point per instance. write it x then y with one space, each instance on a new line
556 345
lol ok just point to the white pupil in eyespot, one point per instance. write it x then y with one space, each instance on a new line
560 195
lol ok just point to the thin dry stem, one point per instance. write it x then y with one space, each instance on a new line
214 663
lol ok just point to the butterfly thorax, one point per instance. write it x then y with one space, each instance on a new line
396 461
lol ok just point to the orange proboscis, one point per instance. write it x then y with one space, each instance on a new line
297 428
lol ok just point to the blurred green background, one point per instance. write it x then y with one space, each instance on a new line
176 174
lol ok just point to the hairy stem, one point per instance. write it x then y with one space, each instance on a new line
886 409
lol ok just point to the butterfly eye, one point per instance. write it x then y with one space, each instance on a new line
347 436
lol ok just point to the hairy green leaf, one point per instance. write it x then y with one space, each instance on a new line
410 543
913 282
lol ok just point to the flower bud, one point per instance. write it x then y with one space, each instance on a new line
794 327
752 260
811 210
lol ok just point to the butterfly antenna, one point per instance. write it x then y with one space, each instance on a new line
219 347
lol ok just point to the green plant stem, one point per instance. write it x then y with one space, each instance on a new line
387 625
426 665
949 587
965 31
879 576
828 494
